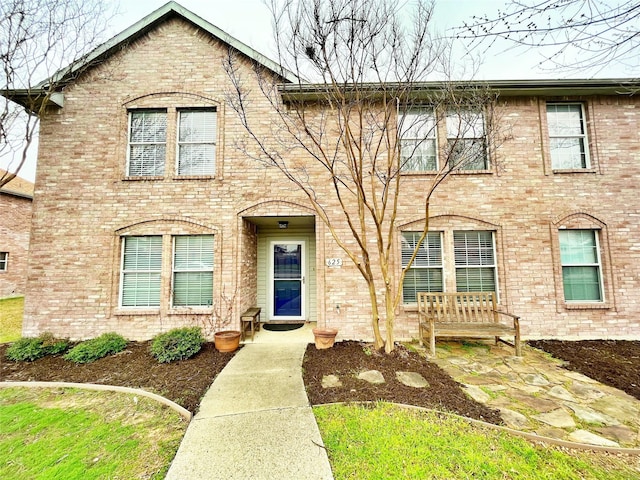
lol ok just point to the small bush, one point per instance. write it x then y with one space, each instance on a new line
96 348
30 349
177 344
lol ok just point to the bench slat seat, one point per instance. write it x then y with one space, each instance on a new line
464 314
250 319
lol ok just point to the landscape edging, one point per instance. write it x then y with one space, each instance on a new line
186 414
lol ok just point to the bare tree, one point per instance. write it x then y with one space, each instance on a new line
368 118
38 38
604 32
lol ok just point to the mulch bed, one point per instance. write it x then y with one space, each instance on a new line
612 362
184 382
347 359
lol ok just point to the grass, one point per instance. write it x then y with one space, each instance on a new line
79 434
11 310
386 441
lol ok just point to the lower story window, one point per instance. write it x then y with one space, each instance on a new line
475 261
193 270
425 273
581 269
141 271
4 261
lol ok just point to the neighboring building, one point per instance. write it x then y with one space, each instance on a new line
147 217
16 198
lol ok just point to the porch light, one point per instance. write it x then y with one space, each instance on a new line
283 224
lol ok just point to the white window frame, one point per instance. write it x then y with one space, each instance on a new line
597 265
493 265
175 270
417 130
4 261
415 266
131 144
583 137
211 166
124 273
467 126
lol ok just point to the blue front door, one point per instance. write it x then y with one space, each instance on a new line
288 280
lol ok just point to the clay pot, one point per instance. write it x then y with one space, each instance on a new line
227 340
324 337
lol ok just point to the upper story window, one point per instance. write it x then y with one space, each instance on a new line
196 142
581 269
418 141
147 143
466 139
567 136
4 261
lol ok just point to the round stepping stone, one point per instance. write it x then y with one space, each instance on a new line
371 376
331 381
412 379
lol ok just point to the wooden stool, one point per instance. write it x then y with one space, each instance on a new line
251 319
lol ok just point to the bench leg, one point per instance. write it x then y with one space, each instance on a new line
517 344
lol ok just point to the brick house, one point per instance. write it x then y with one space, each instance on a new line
16 198
147 217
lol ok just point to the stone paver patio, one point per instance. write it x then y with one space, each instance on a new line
533 393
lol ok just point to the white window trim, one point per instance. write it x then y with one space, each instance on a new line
494 265
468 134
4 261
441 267
432 134
584 136
174 271
179 143
130 143
598 265
123 272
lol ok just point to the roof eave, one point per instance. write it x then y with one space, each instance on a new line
505 88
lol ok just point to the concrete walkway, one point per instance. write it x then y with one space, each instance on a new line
255 422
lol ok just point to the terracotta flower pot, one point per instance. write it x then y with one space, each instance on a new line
324 337
227 340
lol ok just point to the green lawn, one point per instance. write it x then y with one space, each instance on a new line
80 434
11 310
391 442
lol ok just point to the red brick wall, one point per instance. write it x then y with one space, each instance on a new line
85 204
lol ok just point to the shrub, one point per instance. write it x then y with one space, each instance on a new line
99 347
177 344
30 349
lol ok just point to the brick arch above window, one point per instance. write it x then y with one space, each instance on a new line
156 99
578 220
168 225
449 220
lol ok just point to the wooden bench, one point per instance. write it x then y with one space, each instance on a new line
464 314
250 319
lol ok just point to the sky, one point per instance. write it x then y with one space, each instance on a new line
249 21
